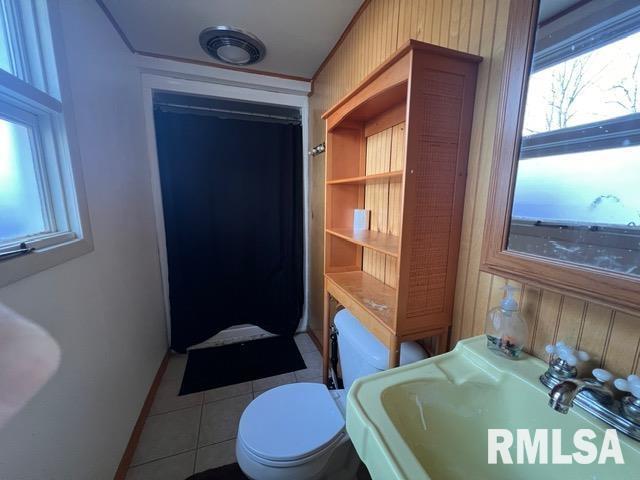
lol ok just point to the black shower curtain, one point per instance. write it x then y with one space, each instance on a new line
232 200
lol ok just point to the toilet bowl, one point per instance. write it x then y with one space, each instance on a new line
297 431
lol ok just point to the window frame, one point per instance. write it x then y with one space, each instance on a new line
620 131
606 287
47 110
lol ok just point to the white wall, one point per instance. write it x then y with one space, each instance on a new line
104 308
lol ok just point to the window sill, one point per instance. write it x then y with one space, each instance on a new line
22 266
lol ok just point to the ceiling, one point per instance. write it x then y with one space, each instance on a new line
298 34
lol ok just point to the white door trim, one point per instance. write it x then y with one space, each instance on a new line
221 76
169 82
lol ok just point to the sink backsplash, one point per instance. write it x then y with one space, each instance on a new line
611 337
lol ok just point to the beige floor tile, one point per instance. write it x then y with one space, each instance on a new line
256 394
312 359
167 398
313 375
213 456
227 392
176 366
177 467
168 434
220 419
270 382
304 343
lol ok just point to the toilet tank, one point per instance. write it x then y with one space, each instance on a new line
361 353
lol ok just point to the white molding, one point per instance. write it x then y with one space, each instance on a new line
40 242
236 91
14 86
22 266
221 76
154 174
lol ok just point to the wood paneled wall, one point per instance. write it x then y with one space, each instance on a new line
385 153
476 26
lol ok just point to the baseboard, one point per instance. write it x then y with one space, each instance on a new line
315 340
127 456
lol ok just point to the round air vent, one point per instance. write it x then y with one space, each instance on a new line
232 45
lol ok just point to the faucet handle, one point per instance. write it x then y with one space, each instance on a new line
601 375
631 385
567 353
583 356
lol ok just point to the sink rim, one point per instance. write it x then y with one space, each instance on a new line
401 462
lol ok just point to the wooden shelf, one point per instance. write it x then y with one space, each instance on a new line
378 241
378 299
369 179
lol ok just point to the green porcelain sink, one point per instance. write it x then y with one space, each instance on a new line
430 420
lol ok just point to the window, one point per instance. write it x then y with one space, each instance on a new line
21 202
596 86
577 195
563 197
42 210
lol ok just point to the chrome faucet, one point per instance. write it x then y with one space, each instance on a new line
562 363
561 396
591 394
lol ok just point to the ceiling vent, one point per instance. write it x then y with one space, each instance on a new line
232 45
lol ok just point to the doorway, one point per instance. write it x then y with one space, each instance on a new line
231 178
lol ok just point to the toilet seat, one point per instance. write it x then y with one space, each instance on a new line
291 424
324 451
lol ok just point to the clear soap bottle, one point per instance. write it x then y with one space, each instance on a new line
506 330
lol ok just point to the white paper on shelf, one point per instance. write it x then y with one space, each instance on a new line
361 219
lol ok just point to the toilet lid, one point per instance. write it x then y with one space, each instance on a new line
290 422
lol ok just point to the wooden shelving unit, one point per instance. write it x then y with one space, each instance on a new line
369 179
398 145
377 241
361 291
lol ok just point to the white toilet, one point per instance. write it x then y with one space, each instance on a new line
297 431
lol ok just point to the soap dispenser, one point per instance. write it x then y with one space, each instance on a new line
506 330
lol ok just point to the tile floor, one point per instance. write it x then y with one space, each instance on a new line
192 433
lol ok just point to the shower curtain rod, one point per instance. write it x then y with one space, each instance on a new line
233 112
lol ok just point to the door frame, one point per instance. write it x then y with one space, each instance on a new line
237 88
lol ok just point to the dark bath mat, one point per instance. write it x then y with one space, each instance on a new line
228 472
233 472
215 367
